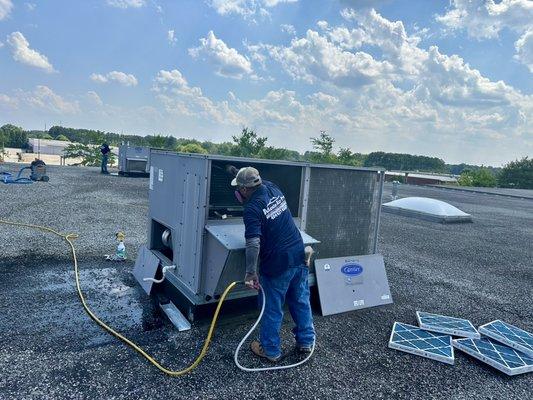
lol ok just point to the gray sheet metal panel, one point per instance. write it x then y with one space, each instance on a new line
146 266
188 244
215 257
342 291
304 197
178 201
231 234
378 213
342 209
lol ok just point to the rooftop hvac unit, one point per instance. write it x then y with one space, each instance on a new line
133 160
195 222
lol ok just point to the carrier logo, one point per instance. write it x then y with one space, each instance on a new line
352 269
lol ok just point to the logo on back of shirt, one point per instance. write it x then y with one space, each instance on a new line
275 207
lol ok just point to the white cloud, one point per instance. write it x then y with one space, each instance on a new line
287 28
31 6
486 18
524 49
227 61
7 101
315 58
178 98
1 45
25 55
323 99
404 98
115 76
46 99
126 3
245 8
5 8
171 37
94 98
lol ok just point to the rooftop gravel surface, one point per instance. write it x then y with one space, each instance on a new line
49 348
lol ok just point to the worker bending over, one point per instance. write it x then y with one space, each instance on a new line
273 239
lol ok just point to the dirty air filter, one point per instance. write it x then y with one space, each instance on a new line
426 208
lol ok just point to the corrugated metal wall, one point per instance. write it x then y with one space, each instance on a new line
342 211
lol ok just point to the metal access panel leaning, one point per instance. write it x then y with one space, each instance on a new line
195 221
133 160
352 283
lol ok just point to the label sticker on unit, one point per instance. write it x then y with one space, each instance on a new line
160 176
385 297
151 177
358 303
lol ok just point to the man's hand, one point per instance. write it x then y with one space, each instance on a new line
252 281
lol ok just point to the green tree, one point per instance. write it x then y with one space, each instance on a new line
276 153
90 155
63 138
466 178
157 141
191 148
481 177
14 136
324 149
404 162
248 144
323 143
517 174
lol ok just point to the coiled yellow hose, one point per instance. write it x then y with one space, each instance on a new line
71 236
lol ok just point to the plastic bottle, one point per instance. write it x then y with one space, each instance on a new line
120 254
121 250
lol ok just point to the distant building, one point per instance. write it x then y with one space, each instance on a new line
47 146
417 178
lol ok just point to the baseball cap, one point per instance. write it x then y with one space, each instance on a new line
247 177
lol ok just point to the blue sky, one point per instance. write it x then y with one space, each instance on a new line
446 79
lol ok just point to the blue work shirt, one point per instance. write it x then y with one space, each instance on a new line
267 216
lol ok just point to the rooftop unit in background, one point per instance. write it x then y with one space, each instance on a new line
47 146
195 222
420 178
133 160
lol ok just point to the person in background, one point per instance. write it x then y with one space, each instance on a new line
104 149
273 239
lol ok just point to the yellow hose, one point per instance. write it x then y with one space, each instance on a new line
68 238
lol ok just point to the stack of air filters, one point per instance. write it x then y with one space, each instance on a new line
503 346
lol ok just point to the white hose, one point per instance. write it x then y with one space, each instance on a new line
165 269
236 357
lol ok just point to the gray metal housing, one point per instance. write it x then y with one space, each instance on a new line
133 159
190 196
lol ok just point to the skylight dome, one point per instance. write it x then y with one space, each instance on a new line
426 208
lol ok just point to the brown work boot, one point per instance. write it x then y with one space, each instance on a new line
257 349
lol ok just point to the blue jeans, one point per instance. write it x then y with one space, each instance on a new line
104 163
290 286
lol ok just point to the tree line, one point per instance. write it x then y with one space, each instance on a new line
248 143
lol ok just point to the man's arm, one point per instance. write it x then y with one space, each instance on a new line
253 246
252 234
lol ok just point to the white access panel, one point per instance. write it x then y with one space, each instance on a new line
352 283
